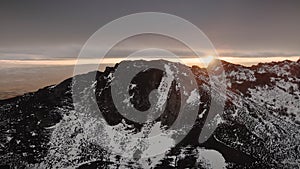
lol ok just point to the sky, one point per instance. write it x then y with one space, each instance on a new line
40 40
35 30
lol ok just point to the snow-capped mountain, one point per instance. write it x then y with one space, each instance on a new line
259 127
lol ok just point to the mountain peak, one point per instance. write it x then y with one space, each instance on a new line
259 127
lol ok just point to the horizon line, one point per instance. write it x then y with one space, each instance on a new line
246 61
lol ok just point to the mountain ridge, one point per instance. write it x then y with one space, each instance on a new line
250 111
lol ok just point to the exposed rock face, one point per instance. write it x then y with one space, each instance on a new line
259 127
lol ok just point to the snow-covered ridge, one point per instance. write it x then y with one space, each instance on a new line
258 129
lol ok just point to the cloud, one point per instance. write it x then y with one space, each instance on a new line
71 51
257 54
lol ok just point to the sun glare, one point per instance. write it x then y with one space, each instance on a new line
207 59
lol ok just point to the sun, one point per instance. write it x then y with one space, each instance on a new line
207 59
